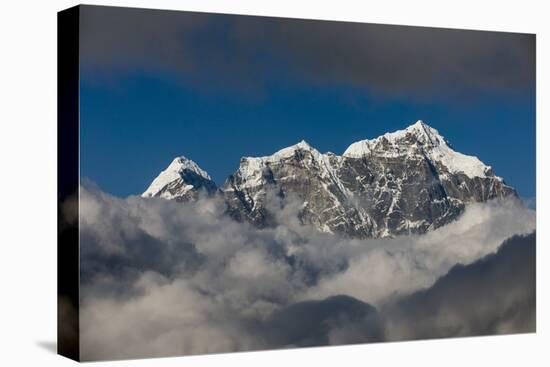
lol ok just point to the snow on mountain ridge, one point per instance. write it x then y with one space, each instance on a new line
174 173
419 138
286 152
181 163
421 132
251 168
408 181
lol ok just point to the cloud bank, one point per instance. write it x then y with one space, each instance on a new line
494 295
163 278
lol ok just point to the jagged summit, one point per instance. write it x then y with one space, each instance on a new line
181 163
419 124
302 145
418 133
402 182
252 169
180 180
426 133
419 139
407 181
421 127
287 152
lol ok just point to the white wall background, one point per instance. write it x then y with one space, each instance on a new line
28 181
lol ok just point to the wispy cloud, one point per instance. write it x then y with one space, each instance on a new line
164 278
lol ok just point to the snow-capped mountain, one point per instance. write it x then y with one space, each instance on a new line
408 181
182 180
419 138
299 170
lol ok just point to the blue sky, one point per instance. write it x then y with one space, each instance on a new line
208 88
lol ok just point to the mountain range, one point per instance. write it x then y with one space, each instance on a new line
405 182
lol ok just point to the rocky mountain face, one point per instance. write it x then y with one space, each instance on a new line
405 182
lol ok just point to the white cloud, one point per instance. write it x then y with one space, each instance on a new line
166 278
404 264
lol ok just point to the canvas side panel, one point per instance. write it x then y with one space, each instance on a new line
68 182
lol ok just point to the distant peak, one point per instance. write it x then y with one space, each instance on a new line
182 163
420 127
302 145
284 153
289 151
421 131
177 170
181 160
419 137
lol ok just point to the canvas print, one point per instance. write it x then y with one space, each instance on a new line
233 183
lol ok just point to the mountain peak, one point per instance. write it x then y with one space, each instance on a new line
182 163
419 125
425 132
422 133
365 193
419 139
285 152
183 172
407 181
303 145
